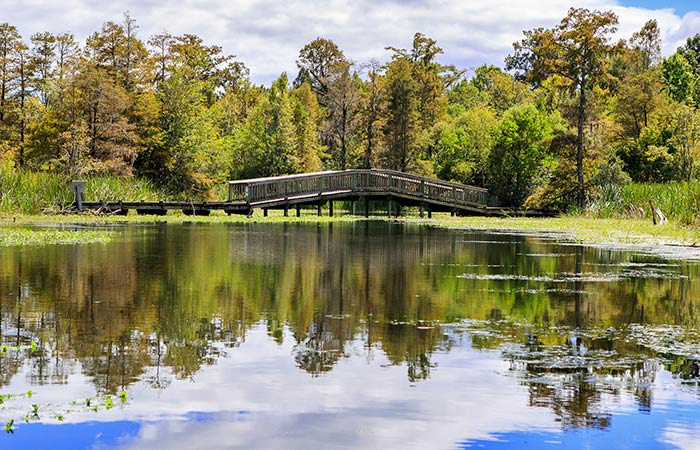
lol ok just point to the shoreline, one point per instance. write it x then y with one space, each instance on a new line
621 233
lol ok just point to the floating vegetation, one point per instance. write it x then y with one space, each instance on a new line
539 353
563 278
13 405
546 255
569 277
16 407
6 349
24 236
666 339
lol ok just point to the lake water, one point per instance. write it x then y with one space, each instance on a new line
365 335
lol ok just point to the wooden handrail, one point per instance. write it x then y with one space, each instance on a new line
355 181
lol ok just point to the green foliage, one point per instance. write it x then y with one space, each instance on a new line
647 158
464 144
306 114
678 76
266 144
402 123
499 90
519 154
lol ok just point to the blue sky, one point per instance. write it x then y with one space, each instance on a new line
267 34
680 6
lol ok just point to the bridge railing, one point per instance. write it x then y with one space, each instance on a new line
355 181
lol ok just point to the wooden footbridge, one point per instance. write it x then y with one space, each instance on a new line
393 189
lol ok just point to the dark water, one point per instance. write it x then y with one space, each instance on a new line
362 335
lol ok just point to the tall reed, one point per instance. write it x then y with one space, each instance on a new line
26 192
679 201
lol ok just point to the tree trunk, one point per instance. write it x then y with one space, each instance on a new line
22 125
343 132
368 149
581 193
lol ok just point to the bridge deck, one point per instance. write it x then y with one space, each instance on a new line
288 191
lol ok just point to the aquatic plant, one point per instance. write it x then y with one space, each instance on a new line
24 236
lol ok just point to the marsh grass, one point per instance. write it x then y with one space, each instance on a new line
679 201
30 192
25 192
116 189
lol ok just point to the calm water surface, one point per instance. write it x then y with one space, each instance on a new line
362 335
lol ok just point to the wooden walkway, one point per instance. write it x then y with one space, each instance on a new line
394 189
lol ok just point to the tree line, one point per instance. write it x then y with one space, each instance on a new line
571 113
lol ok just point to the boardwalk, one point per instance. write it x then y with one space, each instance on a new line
393 189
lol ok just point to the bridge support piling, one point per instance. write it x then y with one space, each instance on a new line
298 211
430 213
330 208
318 209
264 212
352 204
286 210
421 210
366 207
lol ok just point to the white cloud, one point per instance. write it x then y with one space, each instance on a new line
267 35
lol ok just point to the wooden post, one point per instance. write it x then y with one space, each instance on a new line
330 208
298 211
366 207
318 209
430 213
286 210
421 209
264 212
77 187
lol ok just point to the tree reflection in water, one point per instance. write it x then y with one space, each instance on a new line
164 301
